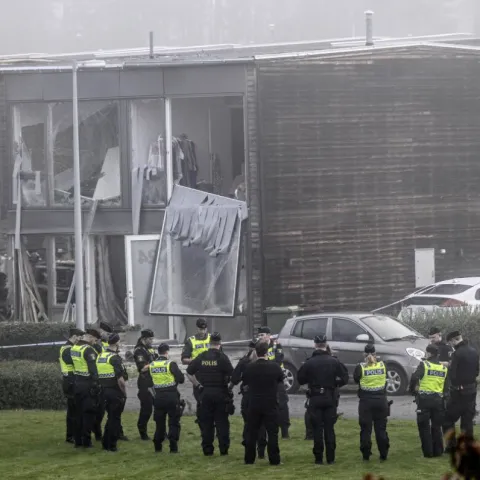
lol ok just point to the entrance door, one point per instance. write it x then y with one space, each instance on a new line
140 252
424 267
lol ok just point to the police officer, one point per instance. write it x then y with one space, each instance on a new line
210 373
237 377
165 376
373 407
194 346
463 372
323 374
275 353
445 351
428 384
262 378
144 354
66 367
111 373
100 346
87 387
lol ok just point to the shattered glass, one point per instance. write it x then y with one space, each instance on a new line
100 165
29 154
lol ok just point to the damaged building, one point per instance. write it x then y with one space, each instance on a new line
221 182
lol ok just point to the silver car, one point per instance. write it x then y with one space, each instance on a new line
399 346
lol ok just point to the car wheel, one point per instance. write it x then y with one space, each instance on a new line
396 381
291 382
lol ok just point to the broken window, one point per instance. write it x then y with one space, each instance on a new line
64 267
29 154
99 153
148 152
197 266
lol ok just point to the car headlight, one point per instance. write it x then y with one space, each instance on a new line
416 353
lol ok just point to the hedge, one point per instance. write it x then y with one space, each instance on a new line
448 320
30 385
18 333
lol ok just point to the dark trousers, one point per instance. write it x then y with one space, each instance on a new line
97 426
262 414
262 434
323 422
167 405
86 409
430 418
460 406
71 417
146 409
373 412
213 417
197 396
114 405
283 411
308 425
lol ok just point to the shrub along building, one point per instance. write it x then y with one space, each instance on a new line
223 181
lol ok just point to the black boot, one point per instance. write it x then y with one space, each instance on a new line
173 446
144 436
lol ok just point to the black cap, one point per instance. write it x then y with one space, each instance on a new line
93 332
453 334
434 331
369 348
163 348
433 349
201 323
147 333
106 327
215 337
265 329
75 332
320 339
113 338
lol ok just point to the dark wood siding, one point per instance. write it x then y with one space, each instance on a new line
365 158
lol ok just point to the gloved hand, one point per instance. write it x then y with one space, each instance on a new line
199 388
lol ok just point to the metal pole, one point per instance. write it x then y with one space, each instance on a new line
77 211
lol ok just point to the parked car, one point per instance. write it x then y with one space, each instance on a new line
399 346
461 293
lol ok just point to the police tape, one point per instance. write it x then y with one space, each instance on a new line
174 345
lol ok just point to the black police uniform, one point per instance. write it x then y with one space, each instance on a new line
262 378
68 386
283 411
144 356
237 377
461 404
97 426
167 403
430 412
213 370
114 403
323 374
86 398
373 409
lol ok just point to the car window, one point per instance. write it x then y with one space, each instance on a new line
310 328
477 295
448 289
344 330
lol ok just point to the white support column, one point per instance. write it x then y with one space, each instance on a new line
90 282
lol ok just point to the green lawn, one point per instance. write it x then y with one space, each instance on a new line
32 446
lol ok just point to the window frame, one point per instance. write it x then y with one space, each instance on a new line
302 321
365 331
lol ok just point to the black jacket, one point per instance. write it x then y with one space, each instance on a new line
464 368
239 370
262 378
444 351
322 370
212 369
143 356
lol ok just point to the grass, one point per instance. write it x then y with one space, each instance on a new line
32 447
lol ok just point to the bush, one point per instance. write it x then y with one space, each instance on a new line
26 333
448 320
30 385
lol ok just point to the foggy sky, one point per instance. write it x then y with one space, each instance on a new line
56 26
